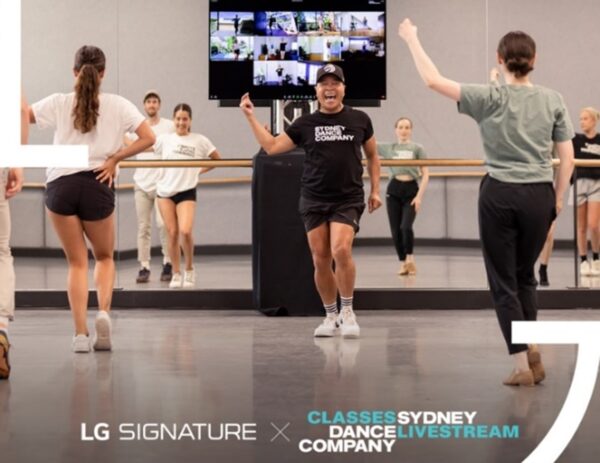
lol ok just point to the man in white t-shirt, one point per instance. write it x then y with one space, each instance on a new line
145 194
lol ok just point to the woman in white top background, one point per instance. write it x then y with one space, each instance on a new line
81 202
176 190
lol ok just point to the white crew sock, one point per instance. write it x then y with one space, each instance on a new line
347 303
331 309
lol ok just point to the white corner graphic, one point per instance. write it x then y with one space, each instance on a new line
587 337
13 153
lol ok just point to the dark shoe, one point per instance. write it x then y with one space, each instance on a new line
535 363
143 275
544 278
167 272
522 378
4 362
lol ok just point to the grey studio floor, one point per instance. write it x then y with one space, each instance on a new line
198 366
217 367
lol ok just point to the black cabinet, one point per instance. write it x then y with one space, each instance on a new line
282 269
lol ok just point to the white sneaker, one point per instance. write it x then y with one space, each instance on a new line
348 325
586 269
176 281
327 329
596 267
189 279
103 331
80 344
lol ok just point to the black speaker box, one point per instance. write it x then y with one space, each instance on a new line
282 268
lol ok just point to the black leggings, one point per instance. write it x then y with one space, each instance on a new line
514 219
402 215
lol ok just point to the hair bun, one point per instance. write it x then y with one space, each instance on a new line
520 66
517 50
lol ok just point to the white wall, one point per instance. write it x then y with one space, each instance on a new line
164 45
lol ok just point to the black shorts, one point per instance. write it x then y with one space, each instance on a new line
315 213
82 195
187 195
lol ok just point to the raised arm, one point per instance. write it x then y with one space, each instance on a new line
494 76
272 145
565 170
374 170
428 71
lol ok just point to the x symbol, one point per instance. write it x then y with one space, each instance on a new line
280 432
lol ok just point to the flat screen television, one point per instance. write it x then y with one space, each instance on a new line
273 48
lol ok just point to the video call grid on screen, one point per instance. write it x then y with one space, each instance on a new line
273 50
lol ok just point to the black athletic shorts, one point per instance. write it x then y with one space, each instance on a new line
315 213
82 195
187 195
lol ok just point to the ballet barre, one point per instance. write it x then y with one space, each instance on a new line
383 162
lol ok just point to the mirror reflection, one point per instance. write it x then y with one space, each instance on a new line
443 238
586 188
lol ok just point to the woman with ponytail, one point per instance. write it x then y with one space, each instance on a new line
519 124
81 202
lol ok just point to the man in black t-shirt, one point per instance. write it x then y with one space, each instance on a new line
332 196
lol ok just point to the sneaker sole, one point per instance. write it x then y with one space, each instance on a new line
81 350
324 335
335 332
166 278
102 340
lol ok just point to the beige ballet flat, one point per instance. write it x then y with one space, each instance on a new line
521 378
535 363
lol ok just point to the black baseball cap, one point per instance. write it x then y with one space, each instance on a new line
330 70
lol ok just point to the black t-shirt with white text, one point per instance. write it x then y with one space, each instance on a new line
332 167
587 148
